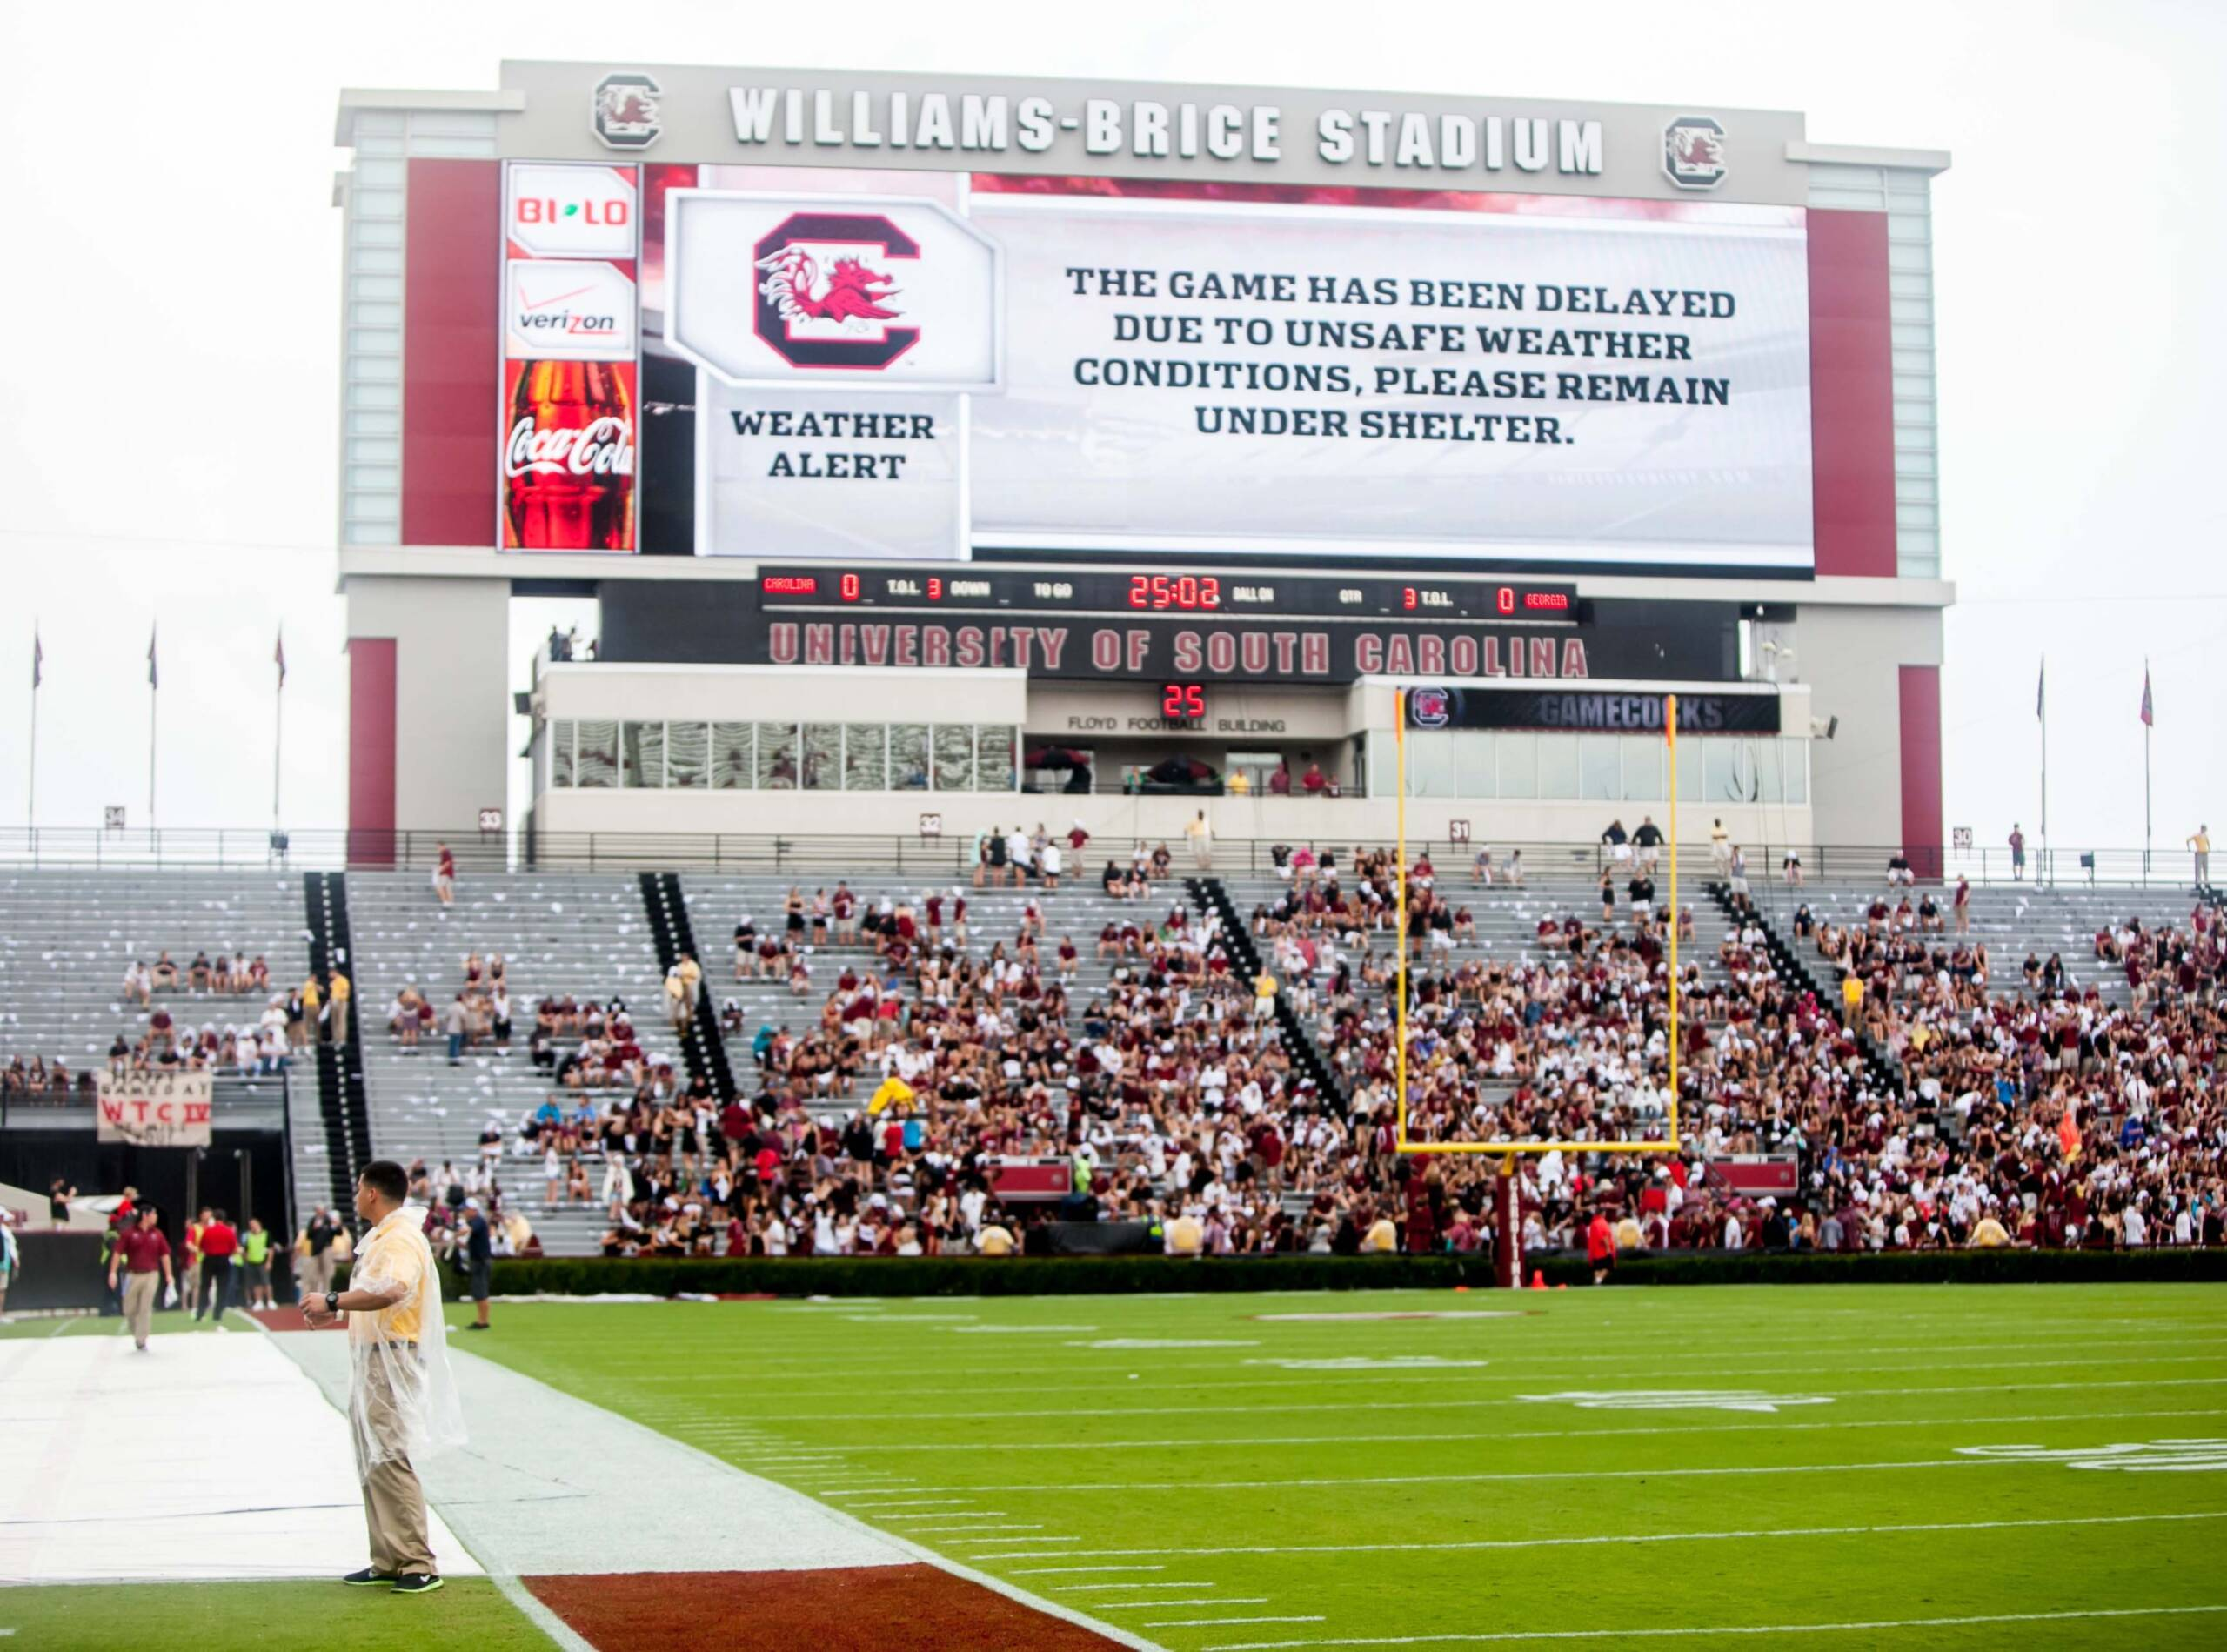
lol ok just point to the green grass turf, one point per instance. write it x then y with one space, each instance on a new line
1330 1495
469 1612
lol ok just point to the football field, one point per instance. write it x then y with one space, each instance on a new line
1938 1466
1925 1466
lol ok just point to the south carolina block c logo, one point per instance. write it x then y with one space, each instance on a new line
823 300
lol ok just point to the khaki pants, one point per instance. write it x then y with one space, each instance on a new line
394 1503
189 1281
314 1273
139 1291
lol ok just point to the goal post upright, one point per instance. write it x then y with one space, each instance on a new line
1400 917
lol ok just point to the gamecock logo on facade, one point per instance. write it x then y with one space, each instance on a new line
1693 152
822 301
625 110
1431 707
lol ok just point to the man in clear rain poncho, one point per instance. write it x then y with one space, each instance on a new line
402 1401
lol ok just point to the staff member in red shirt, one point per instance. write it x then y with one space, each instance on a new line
145 1255
219 1242
1601 1247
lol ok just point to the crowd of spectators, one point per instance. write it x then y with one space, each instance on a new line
1931 1096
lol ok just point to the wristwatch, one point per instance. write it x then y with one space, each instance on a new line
332 1301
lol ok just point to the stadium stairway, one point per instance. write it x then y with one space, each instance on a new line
65 937
332 1152
1211 898
559 933
701 1044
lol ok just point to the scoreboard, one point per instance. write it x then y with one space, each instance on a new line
1203 595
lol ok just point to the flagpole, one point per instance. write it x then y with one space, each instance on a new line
278 728
2146 715
31 790
2044 870
153 712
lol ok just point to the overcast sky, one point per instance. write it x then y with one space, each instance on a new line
168 420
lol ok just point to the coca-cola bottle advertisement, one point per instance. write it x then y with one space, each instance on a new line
568 456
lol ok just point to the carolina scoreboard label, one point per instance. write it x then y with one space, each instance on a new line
1090 625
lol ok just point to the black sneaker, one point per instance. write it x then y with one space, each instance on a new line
417 1583
367 1577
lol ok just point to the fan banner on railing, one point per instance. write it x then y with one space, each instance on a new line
154 1109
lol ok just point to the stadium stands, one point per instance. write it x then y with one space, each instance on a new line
1945 1092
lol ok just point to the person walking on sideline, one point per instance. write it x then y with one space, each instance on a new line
144 1255
402 1401
220 1240
479 1260
188 1284
1201 833
315 1248
2200 841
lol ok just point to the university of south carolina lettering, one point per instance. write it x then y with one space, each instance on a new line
1338 654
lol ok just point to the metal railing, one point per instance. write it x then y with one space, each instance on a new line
188 848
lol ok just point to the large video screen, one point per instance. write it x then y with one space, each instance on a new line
798 364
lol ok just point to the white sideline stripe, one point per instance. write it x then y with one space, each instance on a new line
540 1615
1664 1537
1725 1628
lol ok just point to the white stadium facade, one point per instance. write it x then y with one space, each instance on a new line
950 453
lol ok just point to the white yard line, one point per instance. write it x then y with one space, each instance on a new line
1200 1600
1077 1588
1657 1538
1047 1570
1737 1356
1548 1474
1226 1622
1872 1624
1220 1441
1159 1378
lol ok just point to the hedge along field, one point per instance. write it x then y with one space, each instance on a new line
1914 1465
1047 1276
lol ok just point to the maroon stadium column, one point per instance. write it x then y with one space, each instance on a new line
371 751
451 317
1851 394
1921 715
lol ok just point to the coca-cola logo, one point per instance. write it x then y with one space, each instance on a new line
600 447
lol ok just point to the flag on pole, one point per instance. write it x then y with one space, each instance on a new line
38 658
152 680
281 656
2148 710
2042 691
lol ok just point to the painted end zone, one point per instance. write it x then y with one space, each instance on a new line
861 1608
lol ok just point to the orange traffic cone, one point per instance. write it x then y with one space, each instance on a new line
1563 1285
1538 1279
